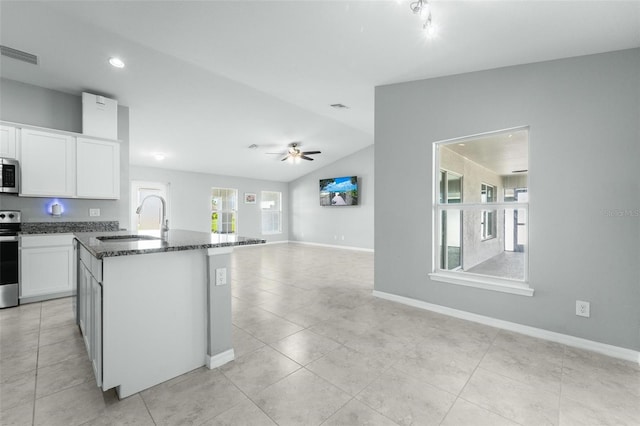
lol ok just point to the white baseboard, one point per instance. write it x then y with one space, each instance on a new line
220 359
333 246
33 299
576 342
278 242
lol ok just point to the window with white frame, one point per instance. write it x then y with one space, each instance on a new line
271 206
481 221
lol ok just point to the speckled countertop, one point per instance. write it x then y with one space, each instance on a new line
177 240
68 227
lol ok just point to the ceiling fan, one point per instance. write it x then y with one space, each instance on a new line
295 153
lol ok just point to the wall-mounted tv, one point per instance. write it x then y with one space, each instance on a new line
340 191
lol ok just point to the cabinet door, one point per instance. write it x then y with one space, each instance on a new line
96 350
7 141
82 303
46 271
48 165
98 169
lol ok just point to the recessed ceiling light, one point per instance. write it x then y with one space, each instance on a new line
460 144
159 156
116 62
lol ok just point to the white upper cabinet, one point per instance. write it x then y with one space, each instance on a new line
97 168
55 163
48 164
7 142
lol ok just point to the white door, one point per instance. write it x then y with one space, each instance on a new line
148 221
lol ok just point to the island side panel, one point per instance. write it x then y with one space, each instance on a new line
219 347
154 318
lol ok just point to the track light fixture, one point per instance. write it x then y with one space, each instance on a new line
423 9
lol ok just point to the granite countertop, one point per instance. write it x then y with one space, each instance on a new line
28 228
177 240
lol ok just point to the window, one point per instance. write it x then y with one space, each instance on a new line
488 221
271 205
481 211
224 211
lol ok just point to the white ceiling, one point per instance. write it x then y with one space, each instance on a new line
502 153
206 79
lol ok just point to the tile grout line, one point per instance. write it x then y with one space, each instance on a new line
35 385
469 379
248 397
564 356
147 408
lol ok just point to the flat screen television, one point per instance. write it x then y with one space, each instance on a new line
340 191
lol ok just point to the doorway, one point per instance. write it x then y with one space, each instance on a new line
148 221
224 211
451 221
515 221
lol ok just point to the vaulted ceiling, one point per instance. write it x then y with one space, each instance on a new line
205 80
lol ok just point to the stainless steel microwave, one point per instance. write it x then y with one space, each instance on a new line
9 175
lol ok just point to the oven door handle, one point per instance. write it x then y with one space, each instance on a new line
6 239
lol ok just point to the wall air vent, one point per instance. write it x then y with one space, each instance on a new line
19 55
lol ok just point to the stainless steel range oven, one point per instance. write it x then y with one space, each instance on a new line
9 284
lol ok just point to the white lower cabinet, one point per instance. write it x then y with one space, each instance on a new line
46 266
96 317
90 309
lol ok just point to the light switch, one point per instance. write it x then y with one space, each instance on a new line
221 276
94 212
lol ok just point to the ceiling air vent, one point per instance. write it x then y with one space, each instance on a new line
19 55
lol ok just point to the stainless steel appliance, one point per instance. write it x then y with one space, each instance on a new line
10 224
9 175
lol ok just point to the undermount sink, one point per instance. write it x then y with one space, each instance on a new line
126 238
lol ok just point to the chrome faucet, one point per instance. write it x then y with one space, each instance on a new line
164 222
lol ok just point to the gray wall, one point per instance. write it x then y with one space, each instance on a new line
584 149
310 222
27 104
190 200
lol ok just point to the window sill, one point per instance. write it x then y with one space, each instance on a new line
272 233
485 283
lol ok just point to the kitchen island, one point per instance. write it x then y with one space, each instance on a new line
151 309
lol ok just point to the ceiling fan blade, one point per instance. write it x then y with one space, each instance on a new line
285 158
311 152
304 157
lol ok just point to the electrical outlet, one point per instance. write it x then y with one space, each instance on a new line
221 276
583 308
94 212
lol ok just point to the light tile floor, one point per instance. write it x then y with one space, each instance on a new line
314 347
